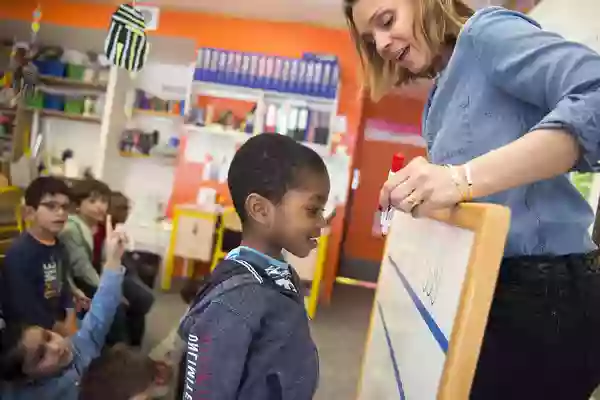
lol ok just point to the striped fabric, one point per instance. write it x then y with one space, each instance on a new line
126 45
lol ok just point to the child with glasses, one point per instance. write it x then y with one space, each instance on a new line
34 286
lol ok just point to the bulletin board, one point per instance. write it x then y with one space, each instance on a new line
435 288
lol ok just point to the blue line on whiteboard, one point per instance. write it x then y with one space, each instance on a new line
429 321
388 339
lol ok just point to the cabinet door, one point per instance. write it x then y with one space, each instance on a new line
194 237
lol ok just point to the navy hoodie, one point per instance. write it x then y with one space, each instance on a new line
34 287
249 337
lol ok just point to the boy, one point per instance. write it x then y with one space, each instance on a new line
247 331
90 198
34 289
118 374
37 363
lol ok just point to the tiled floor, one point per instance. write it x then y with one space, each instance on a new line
338 329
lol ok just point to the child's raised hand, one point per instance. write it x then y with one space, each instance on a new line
116 244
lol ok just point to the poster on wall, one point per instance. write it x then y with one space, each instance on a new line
169 82
383 131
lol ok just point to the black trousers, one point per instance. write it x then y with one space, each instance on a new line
542 340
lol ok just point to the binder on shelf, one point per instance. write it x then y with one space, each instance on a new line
309 77
211 73
245 72
252 76
221 66
276 85
237 68
301 81
293 81
269 73
202 63
229 68
262 72
317 78
285 75
335 80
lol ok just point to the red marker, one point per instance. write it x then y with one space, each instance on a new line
386 215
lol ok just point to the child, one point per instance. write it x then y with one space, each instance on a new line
118 374
91 201
91 205
37 363
247 332
34 289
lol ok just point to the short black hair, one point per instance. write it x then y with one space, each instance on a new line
118 374
43 186
12 352
88 187
269 165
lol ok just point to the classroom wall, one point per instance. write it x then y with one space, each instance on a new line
284 39
373 161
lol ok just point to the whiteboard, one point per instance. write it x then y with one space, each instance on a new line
435 286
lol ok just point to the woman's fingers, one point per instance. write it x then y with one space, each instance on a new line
394 188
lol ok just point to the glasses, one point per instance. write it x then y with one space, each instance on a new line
54 206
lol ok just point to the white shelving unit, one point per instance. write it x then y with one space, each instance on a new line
263 99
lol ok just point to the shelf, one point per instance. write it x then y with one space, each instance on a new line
218 131
67 116
128 154
157 114
256 95
73 84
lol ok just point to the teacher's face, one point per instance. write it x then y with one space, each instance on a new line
390 26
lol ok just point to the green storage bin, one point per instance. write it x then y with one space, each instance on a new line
74 105
75 71
35 100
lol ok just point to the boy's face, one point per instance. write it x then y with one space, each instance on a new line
119 209
51 213
46 352
94 208
299 217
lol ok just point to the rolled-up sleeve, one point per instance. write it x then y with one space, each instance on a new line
542 69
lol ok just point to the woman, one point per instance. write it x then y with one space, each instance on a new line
513 109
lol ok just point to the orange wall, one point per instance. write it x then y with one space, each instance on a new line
284 39
373 161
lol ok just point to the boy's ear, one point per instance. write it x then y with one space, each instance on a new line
259 209
28 212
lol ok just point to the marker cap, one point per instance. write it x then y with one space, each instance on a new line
397 162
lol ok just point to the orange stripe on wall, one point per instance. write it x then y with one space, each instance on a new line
283 39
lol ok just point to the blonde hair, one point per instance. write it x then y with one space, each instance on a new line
440 22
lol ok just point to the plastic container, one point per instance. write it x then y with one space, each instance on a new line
35 100
76 71
74 105
51 67
54 102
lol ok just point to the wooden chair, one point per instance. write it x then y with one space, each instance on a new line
11 216
191 239
230 221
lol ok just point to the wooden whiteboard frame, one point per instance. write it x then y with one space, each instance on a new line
490 224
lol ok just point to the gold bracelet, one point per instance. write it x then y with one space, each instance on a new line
469 180
457 182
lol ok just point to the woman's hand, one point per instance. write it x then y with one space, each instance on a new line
422 187
116 244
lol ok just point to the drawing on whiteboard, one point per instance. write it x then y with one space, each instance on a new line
432 282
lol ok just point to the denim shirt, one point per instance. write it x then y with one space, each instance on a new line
508 77
86 345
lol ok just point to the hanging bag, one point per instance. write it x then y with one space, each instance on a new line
126 45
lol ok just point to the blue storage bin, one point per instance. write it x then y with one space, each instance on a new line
54 102
52 68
